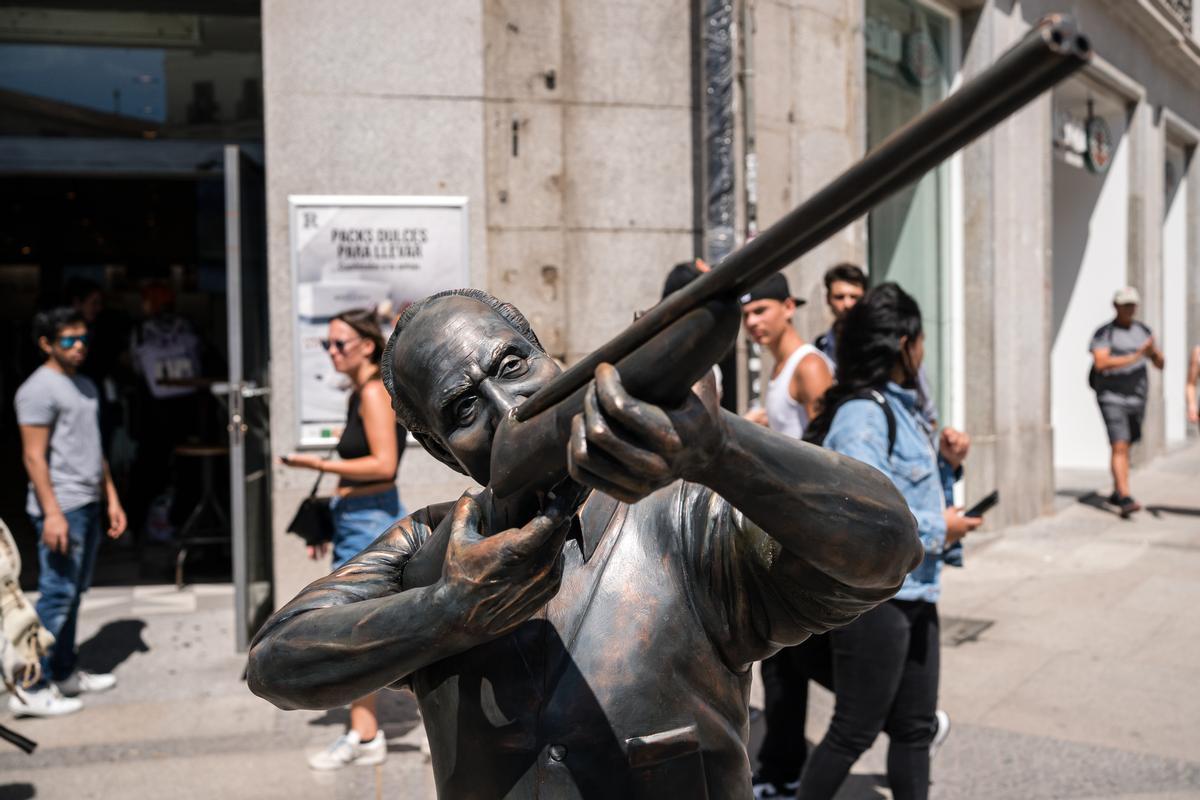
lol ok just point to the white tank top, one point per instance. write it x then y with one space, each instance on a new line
784 414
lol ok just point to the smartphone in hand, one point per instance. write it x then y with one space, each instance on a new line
984 505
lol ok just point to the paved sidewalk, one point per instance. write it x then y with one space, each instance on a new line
1077 679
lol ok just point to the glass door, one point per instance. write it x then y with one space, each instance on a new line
247 391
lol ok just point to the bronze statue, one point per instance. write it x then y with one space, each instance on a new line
605 653
592 637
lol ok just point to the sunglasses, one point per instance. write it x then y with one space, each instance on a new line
67 342
338 344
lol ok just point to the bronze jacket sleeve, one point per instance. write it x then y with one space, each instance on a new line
353 631
816 539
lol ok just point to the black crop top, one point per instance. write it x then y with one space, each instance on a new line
353 443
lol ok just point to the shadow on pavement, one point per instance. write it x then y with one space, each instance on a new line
1183 511
1092 499
17 791
112 644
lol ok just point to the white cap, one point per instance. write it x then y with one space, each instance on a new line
1126 296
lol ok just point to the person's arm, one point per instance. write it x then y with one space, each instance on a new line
1104 359
1193 410
35 440
810 380
1156 355
358 630
379 424
116 514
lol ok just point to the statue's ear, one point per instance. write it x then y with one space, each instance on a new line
433 445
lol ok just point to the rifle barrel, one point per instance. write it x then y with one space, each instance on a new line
1050 52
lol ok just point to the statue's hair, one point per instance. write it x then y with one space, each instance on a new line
402 404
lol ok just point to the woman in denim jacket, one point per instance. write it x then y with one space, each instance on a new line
885 663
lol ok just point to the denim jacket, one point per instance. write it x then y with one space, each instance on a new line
860 430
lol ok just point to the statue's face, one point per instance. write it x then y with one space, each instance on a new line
465 368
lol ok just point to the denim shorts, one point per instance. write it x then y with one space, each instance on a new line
358 521
1123 422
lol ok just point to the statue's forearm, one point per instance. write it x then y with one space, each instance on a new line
327 657
839 515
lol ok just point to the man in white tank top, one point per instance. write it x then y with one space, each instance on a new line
802 372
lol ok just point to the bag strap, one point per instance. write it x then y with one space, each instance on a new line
320 474
873 394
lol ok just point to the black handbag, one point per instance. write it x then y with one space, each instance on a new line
314 519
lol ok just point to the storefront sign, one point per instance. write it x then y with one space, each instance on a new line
381 252
1085 143
1099 144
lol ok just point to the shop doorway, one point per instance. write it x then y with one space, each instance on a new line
189 455
1090 241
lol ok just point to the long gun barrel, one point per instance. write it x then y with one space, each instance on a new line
661 354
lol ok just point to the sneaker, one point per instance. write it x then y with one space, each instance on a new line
941 733
349 749
764 788
82 682
47 702
1128 505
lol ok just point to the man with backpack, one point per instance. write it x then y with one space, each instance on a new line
1120 379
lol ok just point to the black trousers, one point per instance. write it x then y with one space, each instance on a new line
885 670
785 678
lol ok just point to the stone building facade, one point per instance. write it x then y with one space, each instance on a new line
576 132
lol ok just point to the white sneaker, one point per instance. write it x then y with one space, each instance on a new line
81 681
941 733
47 702
348 749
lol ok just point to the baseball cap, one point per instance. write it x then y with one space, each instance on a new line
1126 296
774 287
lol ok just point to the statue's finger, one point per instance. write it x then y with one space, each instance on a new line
644 420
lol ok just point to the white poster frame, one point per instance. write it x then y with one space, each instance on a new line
300 203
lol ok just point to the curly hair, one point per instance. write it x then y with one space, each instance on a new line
403 405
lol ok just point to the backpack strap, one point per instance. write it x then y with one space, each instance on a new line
873 394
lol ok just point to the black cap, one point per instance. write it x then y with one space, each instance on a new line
680 276
774 287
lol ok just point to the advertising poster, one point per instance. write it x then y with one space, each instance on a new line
381 252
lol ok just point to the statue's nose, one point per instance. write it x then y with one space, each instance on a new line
500 398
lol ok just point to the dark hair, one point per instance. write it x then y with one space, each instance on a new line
366 324
680 276
868 348
50 323
850 273
402 405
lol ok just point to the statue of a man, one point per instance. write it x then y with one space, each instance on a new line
600 654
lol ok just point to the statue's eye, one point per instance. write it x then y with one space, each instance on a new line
465 409
512 367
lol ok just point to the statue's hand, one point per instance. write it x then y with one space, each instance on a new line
627 448
492 584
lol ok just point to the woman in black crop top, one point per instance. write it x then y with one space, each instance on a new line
366 502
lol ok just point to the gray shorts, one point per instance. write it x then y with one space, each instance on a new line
1124 423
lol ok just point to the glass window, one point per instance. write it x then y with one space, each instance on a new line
108 74
909 68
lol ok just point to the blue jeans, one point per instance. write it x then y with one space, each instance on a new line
358 521
62 580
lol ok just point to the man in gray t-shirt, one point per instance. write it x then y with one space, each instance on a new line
58 414
1119 377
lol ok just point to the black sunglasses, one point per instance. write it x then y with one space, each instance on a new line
339 344
67 342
